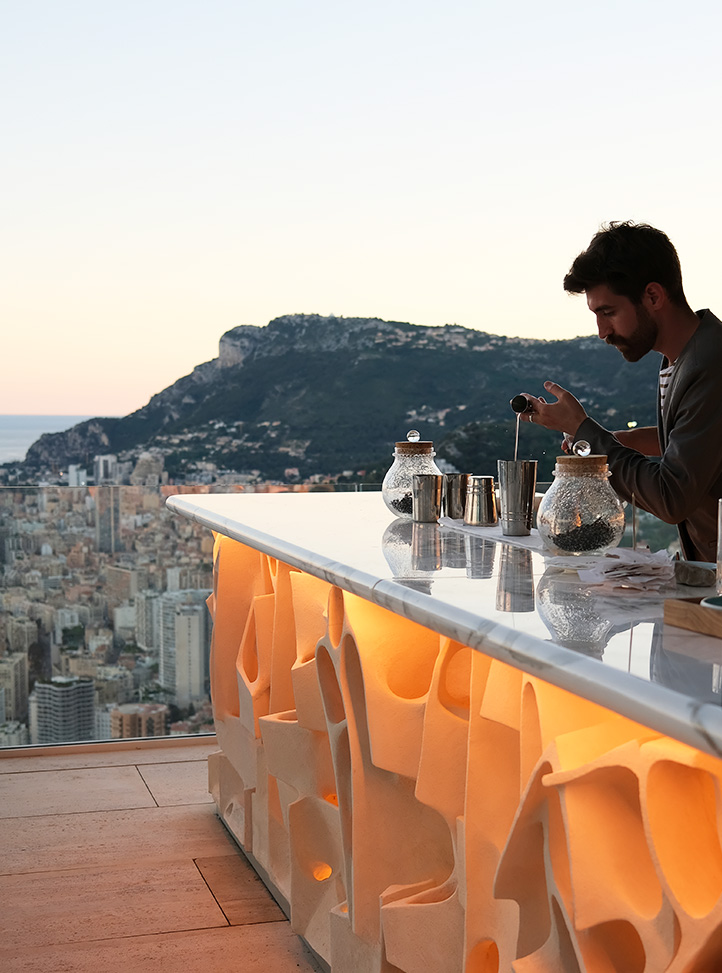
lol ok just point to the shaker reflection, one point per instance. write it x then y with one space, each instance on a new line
515 588
453 548
480 555
426 547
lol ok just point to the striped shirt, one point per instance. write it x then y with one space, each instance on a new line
665 380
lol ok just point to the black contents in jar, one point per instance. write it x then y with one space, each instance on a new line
404 505
587 537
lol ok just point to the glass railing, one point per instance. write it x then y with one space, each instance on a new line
104 630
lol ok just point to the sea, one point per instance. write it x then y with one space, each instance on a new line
18 433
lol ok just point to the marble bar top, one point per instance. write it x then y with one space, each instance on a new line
495 595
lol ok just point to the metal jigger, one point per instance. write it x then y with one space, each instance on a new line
515 587
427 492
455 488
480 508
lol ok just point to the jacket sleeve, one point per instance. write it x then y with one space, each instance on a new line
671 486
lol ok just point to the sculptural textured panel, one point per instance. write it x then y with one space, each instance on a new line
425 808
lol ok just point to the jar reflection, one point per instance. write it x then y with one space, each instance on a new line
572 613
413 552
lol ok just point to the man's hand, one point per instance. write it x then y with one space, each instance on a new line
565 415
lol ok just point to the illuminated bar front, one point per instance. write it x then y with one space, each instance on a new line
449 757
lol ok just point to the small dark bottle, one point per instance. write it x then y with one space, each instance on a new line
520 403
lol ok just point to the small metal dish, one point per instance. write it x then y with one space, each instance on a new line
714 601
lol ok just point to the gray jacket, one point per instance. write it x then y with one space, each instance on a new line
682 486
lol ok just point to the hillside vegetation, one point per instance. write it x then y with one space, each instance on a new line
330 395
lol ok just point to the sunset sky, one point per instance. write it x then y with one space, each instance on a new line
173 168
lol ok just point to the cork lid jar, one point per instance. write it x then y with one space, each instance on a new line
412 455
580 513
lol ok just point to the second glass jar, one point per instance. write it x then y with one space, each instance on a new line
580 513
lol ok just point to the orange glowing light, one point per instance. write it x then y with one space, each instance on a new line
321 871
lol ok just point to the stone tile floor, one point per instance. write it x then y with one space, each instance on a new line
114 859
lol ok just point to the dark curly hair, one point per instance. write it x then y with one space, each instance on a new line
626 257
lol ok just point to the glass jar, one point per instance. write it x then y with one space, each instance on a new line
412 456
580 513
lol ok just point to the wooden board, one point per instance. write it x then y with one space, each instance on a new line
693 616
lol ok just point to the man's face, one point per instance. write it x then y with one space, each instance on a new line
628 326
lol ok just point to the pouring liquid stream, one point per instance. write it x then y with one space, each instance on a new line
516 440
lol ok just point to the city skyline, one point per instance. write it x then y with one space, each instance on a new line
101 586
178 169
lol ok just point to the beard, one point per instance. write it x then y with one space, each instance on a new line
641 340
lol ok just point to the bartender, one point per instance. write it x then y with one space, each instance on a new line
631 276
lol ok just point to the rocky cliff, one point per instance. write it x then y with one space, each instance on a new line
330 394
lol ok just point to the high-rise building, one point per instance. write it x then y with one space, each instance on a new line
10 543
22 632
77 477
62 710
166 640
147 611
173 579
105 469
184 626
107 520
192 646
14 682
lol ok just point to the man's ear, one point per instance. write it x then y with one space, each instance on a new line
654 297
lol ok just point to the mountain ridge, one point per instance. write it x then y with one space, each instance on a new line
329 395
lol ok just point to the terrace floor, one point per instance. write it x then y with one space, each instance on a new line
114 859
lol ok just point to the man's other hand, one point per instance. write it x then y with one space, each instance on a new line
565 415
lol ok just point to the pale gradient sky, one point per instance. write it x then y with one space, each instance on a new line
173 168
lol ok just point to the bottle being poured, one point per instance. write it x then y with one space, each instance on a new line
522 405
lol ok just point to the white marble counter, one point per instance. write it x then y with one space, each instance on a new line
494 596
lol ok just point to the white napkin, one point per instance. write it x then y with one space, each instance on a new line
531 542
625 568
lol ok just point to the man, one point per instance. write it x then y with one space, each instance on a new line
632 279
